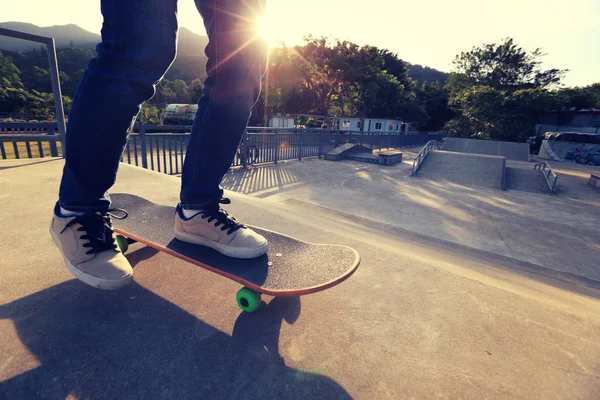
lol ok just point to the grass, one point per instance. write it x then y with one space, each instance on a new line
22 148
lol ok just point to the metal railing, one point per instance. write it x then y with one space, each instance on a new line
549 175
431 145
162 148
52 68
18 140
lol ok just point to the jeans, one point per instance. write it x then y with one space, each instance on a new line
139 39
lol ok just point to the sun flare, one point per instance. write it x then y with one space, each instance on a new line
269 28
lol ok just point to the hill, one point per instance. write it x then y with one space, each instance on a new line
62 34
71 35
190 62
426 74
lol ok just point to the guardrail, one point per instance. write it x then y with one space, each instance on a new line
431 145
162 147
549 175
52 69
22 142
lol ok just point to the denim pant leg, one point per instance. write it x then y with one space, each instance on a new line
236 65
139 40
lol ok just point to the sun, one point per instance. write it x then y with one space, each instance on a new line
269 28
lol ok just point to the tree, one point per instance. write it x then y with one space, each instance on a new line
433 98
195 90
9 73
489 113
150 114
505 65
180 89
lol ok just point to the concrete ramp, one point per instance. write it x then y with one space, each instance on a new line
525 179
509 150
465 169
342 152
381 158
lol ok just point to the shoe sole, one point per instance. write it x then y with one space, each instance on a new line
99 283
234 252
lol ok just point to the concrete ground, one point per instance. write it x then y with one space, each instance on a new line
559 234
421 318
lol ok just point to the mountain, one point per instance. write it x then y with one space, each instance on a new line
426 74
190 62
189 44
62 34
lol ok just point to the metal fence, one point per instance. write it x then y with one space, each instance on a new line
30 140
162 148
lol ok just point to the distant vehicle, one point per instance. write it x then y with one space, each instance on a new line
180 114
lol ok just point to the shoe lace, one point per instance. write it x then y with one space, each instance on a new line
214 212
97 229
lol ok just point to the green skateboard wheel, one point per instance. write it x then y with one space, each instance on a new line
248 300
123 243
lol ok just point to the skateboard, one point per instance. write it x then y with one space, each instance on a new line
291 267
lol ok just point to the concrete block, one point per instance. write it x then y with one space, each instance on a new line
465 169
509 150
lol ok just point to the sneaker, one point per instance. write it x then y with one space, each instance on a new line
88 245
215 228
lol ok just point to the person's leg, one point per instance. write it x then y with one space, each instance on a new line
236 64
138 46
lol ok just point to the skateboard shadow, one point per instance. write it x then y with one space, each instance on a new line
258 333
133 344
141 254
254 270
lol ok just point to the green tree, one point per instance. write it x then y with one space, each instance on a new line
9 73
433 98
180 89
489 113
150 114
505 65
195 90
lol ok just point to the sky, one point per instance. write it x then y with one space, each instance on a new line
426 32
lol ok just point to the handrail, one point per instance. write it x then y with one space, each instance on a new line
549 173
52 68
431 145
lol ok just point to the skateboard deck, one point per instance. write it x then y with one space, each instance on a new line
291 267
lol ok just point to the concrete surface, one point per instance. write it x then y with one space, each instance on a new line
556 233
522 176
464 169
510 150
419 319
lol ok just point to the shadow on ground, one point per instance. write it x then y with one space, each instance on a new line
256 179
16 163
132 343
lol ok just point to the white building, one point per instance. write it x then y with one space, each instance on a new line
348 124
374 125
281 121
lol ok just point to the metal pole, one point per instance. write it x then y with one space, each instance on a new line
53 69
58 103
143 146
300 153
243 148
276 157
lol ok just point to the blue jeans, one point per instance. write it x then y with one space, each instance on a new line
139 39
